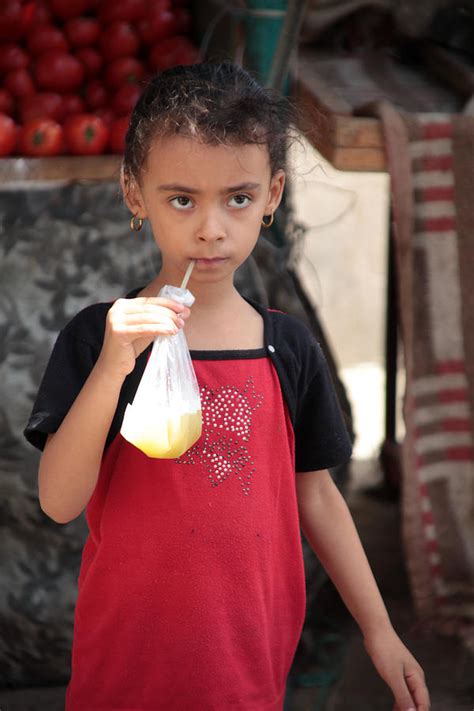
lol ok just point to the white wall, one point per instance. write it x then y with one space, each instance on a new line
343 267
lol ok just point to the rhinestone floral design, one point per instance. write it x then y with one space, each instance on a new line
226 428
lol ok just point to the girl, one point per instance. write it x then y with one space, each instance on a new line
191 589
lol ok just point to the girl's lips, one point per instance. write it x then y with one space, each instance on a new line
210 262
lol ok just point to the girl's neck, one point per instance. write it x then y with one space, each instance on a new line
211 297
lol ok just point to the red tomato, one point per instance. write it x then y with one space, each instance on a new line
8 135
12 56
46 105
58 71
73 104
64 9
125 99
12 20
182 21
7 104
158 24
90 60
117 134
82 31
19 83
96 94
119 40
86 134
172 51
28 14
124 70
107 115
41 137
122 11
46 38
41 14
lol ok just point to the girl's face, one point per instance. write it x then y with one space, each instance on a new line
205 202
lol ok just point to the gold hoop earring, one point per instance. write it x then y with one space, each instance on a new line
270 223
136 226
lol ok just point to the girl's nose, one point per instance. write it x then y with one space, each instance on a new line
211 229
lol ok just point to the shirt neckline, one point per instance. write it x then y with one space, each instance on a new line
233 354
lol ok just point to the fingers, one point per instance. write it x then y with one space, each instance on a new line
147 316
415 680
403 699
412 693
151 302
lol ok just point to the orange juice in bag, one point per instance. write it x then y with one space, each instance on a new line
165 419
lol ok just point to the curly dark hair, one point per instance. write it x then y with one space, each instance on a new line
215 103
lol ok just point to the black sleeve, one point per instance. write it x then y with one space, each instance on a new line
321 437
71 361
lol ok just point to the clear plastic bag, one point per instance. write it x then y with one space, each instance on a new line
165 419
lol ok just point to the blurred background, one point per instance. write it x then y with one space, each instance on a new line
372 249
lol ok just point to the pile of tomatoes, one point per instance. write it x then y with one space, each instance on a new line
71 70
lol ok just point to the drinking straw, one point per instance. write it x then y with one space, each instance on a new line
188 273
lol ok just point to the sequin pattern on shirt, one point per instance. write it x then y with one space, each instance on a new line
227 427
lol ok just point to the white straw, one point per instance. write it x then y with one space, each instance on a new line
188 273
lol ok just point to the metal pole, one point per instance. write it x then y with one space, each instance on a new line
287 40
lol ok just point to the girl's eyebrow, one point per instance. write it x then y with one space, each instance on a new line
174 188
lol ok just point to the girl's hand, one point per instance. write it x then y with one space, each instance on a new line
400 670
132 324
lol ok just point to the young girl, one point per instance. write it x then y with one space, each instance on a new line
191 589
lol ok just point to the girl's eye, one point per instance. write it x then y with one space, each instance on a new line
181 202
240 200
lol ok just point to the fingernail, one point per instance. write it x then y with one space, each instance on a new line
180 322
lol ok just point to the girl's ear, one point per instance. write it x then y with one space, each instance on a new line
132 196
275 192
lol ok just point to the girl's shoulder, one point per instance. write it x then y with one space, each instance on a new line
289 335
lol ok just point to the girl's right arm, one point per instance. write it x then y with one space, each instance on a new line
70 463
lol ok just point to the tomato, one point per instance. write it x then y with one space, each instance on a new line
118 131
107 115
58 71
125 99
73 104
118 40
41 137
45 105
158 24
96 94
124 70
82 31
122 11
90 60
12 56
172 51
8 135
7 104
64 9
46 38
41 14
28 14
19 83
12 20
182 21
86 134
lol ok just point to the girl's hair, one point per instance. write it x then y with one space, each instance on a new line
214 103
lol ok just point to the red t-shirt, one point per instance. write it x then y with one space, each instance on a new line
192 590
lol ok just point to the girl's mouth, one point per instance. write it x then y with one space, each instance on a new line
210 262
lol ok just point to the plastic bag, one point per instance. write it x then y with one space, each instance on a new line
165 419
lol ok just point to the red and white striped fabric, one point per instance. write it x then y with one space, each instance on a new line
431 159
